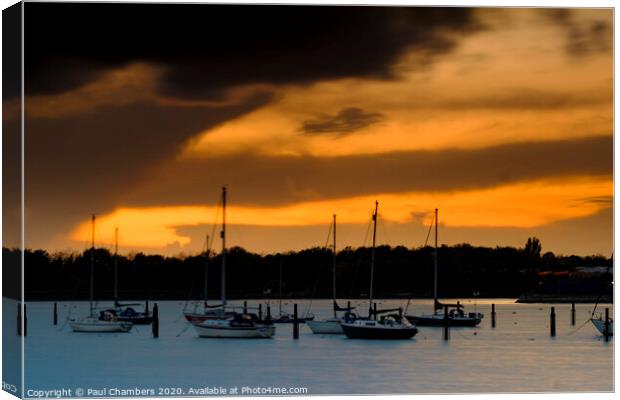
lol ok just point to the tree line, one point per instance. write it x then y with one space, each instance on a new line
399 272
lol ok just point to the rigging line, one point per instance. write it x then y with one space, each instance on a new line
367 232
214 227
461 334
209 244
385 236
191 291
67 319
329 235
601 292
430 227
183 331
316 283
359 259
425 243
580 326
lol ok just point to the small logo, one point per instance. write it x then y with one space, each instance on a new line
79 392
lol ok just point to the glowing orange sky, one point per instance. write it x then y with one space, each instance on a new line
502 85
523 205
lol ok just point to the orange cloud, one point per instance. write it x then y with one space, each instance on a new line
521 205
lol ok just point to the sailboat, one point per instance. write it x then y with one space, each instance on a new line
599 324
286 318
597 318
390 326
456 315
106 322
231 324
125 311
332 325
210 311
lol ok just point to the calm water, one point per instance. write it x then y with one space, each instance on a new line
517 356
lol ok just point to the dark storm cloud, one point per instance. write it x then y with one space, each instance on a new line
207 49
348 120
82 164
583 38
263 180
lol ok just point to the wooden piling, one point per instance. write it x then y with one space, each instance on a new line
446 324
55 314
268 313
245 306
492 315
19 319
552 322
146 307
374 309
260 311
606 331
572 314
349 305
295 322
155 324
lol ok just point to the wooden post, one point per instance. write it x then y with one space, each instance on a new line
260 312
245 306
552 322
374 310
446 324
295 322
572 314
155 321
25 321
19 319
268 312
492 315
55 314
349 304
606 331
146 308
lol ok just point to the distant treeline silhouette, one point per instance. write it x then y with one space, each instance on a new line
399 272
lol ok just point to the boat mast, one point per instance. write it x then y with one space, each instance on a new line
223 234
206 269
116 266
372 258
334 269
92 265
280 280
435 282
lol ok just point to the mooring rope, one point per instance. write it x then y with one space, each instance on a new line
183 331
580 326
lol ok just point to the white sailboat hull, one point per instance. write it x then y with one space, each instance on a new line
97 326
223 329
599 324
330 326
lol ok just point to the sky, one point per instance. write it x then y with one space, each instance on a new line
502 118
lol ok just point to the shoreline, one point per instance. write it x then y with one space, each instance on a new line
556 298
